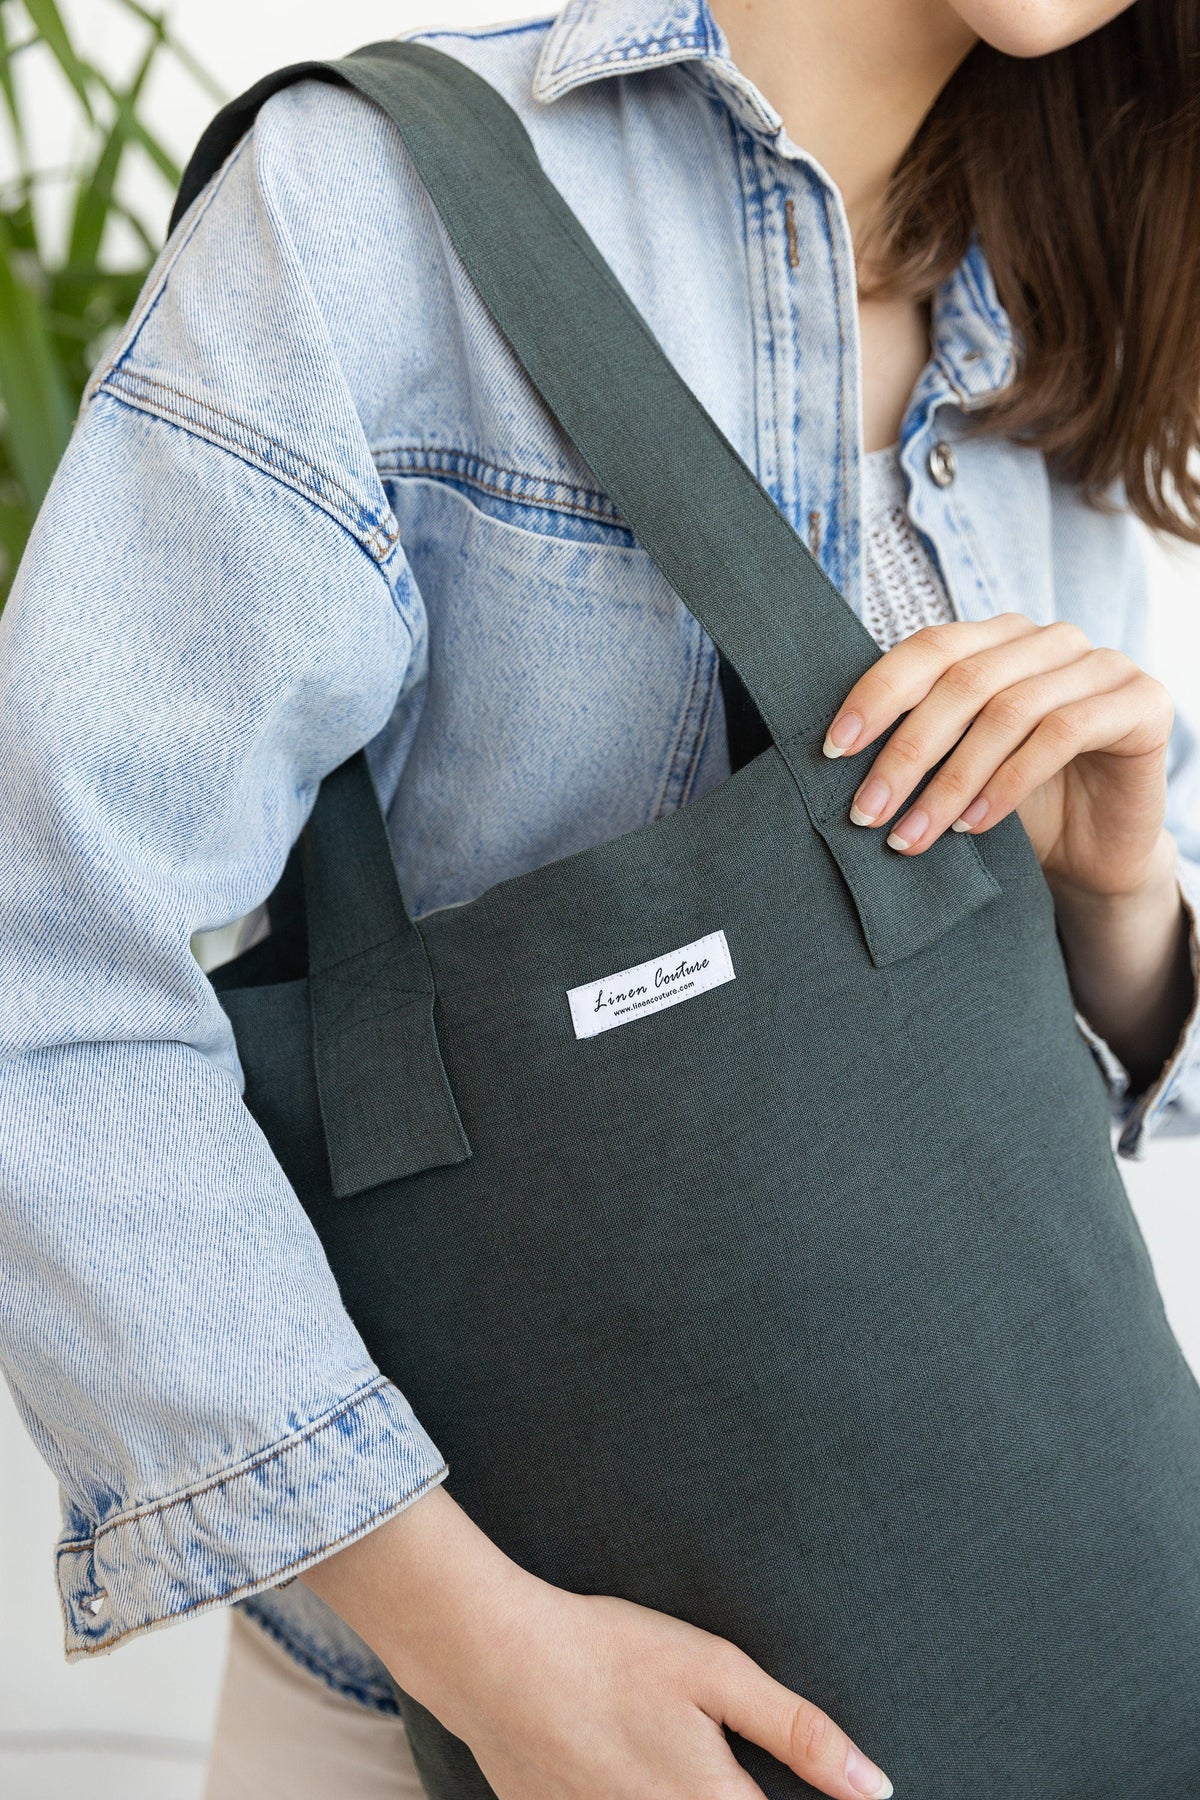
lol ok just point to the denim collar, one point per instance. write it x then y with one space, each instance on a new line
593 38
974 350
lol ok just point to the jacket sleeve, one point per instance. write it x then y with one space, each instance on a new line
1171 1102
213 612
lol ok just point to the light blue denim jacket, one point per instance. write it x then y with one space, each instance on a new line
310 503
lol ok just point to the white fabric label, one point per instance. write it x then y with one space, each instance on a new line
665 981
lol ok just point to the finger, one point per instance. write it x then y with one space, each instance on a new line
1126 722
793 1731
976 685
1003 725
905 673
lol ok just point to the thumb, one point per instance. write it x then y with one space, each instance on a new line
794 1731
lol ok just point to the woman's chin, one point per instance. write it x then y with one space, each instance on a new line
1028 28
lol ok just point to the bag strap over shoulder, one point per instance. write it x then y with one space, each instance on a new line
690 499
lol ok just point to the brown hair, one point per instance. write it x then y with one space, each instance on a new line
1080 173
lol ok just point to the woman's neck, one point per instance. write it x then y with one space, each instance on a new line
852 79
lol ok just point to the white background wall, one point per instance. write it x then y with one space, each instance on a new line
134 1725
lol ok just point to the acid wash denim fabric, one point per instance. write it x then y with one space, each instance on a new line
310 503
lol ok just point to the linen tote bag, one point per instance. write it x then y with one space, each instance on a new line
649 1249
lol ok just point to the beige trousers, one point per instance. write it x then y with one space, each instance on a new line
281 1734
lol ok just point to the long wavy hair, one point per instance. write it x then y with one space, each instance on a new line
1080 172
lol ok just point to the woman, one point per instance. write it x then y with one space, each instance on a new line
310 504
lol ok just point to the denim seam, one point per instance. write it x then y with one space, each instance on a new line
973 280
402 460
301 474
124 345
249 1587
707 665
301 1649
670 787
126 385
256 1460
626 53
840 522
968 544
745 150
758 156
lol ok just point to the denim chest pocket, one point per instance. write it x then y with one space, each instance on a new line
568 694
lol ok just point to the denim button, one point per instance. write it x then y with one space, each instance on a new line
943 465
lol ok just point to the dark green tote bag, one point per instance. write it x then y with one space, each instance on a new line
734 1200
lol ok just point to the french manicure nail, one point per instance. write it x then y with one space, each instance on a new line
843 734
870 800
971 815
865 1778
908 831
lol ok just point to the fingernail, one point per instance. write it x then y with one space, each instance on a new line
870 800
908 831
971 815
842 734
865 1778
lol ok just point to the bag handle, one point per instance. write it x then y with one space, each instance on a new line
689 498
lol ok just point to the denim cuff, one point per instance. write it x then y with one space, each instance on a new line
1175 1091
250 1527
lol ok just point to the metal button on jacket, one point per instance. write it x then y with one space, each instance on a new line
943 465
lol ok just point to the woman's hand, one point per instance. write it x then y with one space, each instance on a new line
1032 718
564 1696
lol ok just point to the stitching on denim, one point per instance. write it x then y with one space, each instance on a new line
975 283
295 1647
251 431
744 150
535 490
709 664
675 782
767 253
134 1515
968 544
625 53
839 302
123 385
730 96
249 1587
137 321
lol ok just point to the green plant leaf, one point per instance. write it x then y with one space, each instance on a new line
163 162
48 22
8 86
37 404
94 197
179 51
16 522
